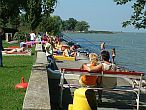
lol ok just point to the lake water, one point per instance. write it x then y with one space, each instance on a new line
130 47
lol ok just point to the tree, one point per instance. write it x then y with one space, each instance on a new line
52 24
33 13
24 24
10 11
138 19
82 26
73 25
65 26
71 22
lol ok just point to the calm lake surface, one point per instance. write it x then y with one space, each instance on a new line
130 47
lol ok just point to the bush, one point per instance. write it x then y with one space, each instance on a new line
21 36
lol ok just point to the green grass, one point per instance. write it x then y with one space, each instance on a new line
14 68
5 44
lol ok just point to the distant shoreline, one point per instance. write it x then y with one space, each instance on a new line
97 32
100 32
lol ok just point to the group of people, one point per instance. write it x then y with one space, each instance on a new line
54 46
96 66
37 37
70 51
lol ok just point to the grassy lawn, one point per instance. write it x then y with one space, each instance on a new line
14 68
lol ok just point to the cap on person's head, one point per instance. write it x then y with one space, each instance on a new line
105 55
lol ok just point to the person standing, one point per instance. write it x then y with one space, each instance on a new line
113 55
49 49
32 36
102 46
39 37
1 46
49 54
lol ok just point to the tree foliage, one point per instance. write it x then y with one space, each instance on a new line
9 11
51 24
33 10
74 25
33 13
71 22
82 26
138 19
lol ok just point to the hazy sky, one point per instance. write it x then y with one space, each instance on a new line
100 14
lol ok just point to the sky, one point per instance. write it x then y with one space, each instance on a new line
101 15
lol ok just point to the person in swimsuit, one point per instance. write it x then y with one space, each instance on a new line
22 49
113 55
102 46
